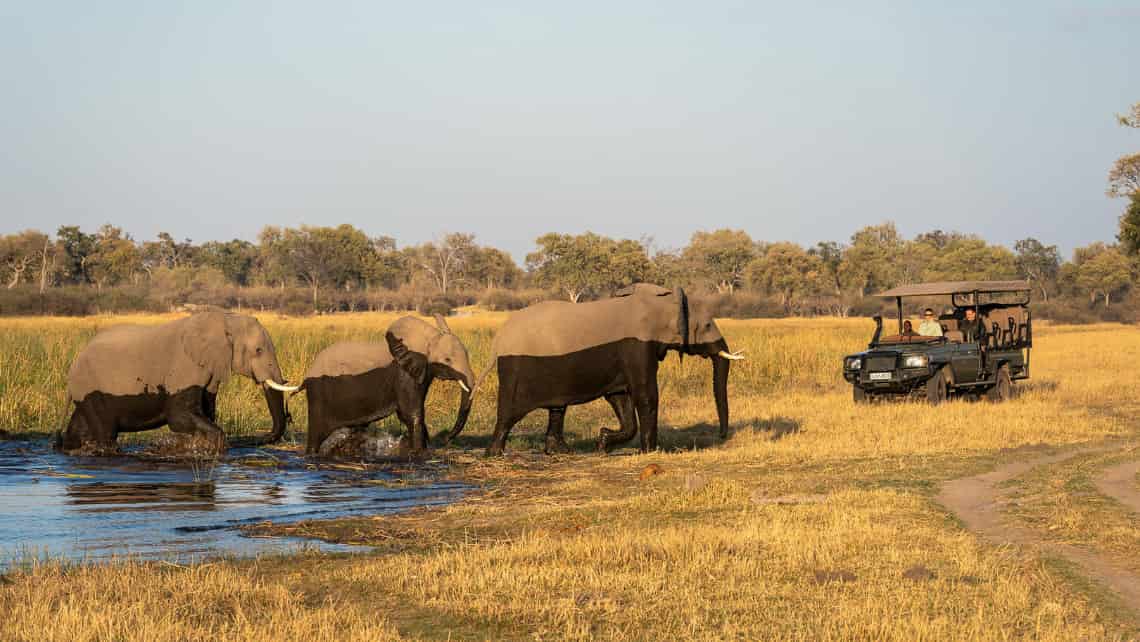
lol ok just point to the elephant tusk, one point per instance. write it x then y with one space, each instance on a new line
464 386
280 388
732 356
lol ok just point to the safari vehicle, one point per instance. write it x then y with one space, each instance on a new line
906 364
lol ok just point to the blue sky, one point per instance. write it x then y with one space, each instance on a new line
792 121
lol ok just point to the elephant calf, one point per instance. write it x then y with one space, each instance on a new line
134 378
350 384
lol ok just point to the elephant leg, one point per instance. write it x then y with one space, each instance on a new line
555 442
184 416
622 403
647 403
210 406
503 425
410 411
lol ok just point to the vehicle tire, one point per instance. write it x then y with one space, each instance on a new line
1003 388
860 395
936 391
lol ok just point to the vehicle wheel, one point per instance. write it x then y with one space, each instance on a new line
860 395
1003 389
936 391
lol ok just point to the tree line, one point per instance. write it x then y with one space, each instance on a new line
322 269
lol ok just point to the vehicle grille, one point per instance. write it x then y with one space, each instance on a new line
882 363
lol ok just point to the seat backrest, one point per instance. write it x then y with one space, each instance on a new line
955 336
1001 316
949 324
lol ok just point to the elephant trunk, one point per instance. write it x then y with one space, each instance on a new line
275 399
720 367
461 418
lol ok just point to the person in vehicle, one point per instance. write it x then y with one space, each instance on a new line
972 329
908 329
929 326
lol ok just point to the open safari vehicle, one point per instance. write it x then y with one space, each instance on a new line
907 363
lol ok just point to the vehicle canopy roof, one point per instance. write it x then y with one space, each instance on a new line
956 287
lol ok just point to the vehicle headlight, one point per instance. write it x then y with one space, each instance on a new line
916 361
854 363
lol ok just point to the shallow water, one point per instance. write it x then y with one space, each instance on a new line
94 509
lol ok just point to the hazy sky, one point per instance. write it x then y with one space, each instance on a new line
409 119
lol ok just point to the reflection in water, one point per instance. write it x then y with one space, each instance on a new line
93 509
132 496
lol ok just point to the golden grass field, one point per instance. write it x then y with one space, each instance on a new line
577 547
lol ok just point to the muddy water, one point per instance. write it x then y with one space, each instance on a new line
96 509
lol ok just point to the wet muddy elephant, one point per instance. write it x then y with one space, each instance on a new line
132 378
351 384
557 354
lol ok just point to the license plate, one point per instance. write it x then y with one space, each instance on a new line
880 376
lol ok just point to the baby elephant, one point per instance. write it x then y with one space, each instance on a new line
352 384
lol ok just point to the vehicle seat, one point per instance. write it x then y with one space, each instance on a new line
949 324
955 336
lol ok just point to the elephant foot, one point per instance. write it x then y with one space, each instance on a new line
405 449
606 440
90 449
494 450
555 446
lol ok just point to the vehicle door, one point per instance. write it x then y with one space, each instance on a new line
966 362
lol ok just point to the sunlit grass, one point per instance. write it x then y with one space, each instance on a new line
576 547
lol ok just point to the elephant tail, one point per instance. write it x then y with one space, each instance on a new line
299 390
483 375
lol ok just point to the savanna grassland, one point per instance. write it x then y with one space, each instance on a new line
817 519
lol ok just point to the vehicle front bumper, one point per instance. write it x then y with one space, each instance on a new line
903 380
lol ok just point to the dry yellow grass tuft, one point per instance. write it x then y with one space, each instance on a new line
722 544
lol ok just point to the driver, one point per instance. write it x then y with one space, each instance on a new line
972 329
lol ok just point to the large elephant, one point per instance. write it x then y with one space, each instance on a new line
555 354
131 378
350 384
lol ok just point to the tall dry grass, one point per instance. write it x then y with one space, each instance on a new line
578 548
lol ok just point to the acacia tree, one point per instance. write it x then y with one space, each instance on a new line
970 258
328 256
1124 181
788 271
1105 272
76 248
1037 263
115 258
22 252
721 256
871 261
586 263
444 259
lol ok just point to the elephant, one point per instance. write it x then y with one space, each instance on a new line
132 378
351 384
555 354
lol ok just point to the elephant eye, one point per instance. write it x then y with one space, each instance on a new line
259 351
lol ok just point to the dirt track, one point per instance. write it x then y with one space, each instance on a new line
1119 483
978 502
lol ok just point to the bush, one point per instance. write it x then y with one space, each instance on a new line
745 305
502 300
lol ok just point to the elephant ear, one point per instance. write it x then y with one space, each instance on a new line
411 362
682 316
441 323
642 288
208 350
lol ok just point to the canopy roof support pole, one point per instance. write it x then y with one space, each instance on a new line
898 301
